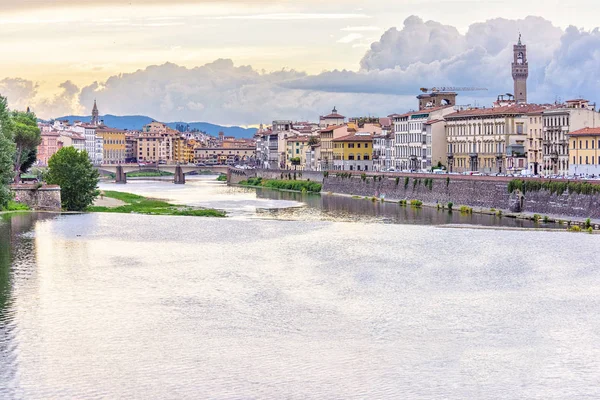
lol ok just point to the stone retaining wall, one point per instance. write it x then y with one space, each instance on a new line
474 191
45 198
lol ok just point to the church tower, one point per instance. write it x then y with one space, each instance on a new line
95 115
520 71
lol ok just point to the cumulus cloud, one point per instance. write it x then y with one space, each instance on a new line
420 53
19 92
23 93
426 53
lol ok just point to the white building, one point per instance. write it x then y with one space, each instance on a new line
413 151
557 123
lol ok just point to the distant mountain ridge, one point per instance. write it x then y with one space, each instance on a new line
136 122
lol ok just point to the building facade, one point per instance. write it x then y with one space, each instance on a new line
48 146
228 155
332 119
584 152
414 148
556 124
353 152
113 145
488 140
534 143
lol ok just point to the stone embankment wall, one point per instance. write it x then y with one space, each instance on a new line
235 176
46 198
474 191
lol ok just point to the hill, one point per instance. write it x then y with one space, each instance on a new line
136 122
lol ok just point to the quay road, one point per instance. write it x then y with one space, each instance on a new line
178 171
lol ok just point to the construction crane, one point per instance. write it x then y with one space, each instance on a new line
451 89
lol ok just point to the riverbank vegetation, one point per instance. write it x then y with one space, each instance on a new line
554 187
222 178
142 205
15 206
300 186
71 169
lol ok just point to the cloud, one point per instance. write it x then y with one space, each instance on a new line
425 54
19 92
22 93
563 63
352 37
291 16
361 29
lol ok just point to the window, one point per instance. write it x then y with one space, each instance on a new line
366 145
580 160
586 145
580 145
586 159
366 157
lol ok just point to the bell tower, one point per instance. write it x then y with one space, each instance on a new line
520 71
95 115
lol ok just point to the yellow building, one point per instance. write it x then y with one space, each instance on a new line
534 146
220 155
327 136
296 148
584 152
353 152
115 145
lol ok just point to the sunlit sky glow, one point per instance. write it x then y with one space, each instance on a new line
50 42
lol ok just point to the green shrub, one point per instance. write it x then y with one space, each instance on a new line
575 228
466 210
416 203
588 223
397 181
450 205
537 217
590 230
15 206
554 187
499 213
325 174
406 180
546 219
402 203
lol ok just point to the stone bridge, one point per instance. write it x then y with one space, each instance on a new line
178 171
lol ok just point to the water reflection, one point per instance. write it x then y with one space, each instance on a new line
249 203
17 264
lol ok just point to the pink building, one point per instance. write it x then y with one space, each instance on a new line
49 145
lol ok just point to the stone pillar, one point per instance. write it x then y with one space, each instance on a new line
179 176
120 176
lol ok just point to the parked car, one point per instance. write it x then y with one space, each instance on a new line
162 162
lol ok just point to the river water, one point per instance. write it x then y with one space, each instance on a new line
294 297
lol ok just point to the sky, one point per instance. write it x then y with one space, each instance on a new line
237 62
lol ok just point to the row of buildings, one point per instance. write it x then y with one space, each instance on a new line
509 137
154 143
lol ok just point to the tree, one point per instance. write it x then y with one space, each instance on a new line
7 151
28 158
313 141
26 136
78 179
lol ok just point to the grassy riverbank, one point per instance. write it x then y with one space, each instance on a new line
300 186
14 206
143 205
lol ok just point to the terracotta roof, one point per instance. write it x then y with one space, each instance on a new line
332 116
332 128
512 109
585 132
355 138
433 121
